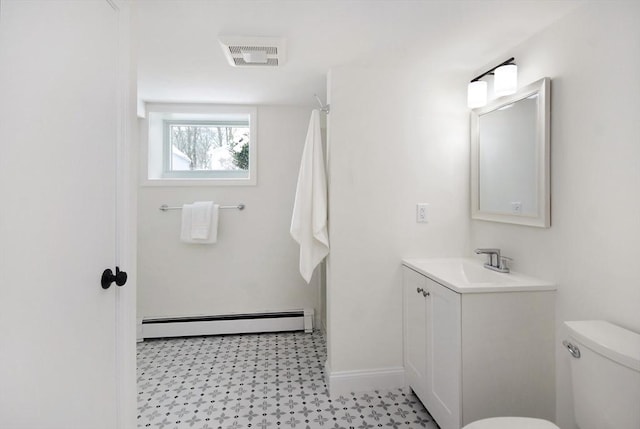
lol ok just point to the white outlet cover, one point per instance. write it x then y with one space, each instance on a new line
516 207
422 213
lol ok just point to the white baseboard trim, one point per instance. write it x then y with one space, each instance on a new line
139 334
309 314
345 382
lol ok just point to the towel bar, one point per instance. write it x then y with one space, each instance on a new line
165 207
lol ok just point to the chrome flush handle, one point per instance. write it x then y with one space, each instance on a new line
574 350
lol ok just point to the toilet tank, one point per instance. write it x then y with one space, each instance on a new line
606 375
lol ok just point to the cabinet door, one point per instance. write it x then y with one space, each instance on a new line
415 334
443 355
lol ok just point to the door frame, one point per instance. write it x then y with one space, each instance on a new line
126 217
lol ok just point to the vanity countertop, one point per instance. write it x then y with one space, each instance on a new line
466 275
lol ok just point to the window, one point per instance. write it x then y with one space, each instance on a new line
206 149
200 144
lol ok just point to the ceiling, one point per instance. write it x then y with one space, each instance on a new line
180 59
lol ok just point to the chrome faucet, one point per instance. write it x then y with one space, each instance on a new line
501 262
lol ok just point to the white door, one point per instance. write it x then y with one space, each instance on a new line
58 132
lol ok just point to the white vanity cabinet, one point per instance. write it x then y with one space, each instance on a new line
475 354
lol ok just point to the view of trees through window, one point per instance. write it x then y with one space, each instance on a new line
209 147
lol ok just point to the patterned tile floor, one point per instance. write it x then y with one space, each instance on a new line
262 381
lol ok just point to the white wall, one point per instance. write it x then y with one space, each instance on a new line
593 246
396 138
254 265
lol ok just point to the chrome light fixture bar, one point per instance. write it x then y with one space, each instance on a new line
505 83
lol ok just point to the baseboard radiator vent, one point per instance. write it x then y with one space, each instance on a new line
296 320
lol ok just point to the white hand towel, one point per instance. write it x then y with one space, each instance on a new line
201 219
309 220
186 227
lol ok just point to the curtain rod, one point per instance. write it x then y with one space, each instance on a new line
323 108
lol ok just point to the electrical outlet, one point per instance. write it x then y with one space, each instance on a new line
516 207
421 212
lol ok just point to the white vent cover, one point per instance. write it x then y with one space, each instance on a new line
253 51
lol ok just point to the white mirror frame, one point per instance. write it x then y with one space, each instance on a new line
542 218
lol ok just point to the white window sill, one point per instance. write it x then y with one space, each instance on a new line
198 182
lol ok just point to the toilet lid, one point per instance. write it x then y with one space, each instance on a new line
511 423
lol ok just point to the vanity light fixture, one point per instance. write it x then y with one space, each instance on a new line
505 83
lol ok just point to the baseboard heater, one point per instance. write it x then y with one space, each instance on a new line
296 320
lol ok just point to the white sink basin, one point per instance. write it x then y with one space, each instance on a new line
466 275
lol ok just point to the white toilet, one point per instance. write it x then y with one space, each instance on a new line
605 376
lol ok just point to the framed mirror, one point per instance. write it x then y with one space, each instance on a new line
510 177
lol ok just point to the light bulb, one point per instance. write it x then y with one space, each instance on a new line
477 94
506 80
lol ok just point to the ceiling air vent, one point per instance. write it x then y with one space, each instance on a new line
254 51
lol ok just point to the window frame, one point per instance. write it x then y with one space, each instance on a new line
156 145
